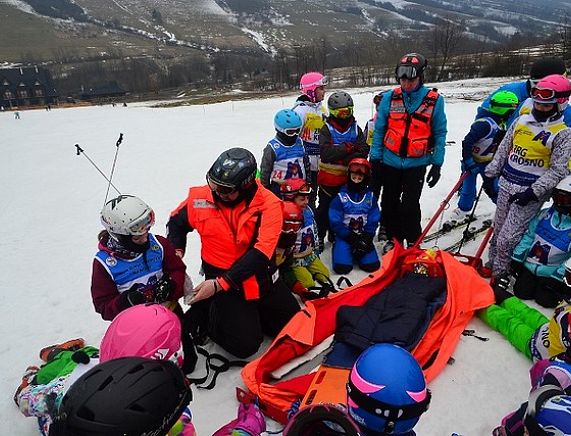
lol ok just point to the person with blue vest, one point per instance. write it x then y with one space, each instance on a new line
541 68
478 148
132 265
284 156
410 135
340 140
354 217
531 160
539 258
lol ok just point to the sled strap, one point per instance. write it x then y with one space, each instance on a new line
217 364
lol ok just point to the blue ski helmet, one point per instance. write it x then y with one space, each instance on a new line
386 392
288 121
548 412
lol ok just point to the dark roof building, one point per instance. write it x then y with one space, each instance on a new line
107 91
26 86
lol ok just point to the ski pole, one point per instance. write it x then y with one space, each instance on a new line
117 144
441 208
79 151
470 218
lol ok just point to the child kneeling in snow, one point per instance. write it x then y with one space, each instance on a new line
354 217
149 331
548 409
538 260
305 267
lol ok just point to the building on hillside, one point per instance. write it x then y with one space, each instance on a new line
26 86
101 93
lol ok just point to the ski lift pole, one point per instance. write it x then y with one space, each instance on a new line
117 144
79 151
441 208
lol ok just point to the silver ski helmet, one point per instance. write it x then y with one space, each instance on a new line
127 215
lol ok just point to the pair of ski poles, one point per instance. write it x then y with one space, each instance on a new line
109 179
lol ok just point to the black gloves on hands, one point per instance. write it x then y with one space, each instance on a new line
132 297
523 198
516 268
433 176
489 188
163 289
361 244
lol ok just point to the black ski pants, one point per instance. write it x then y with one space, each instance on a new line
326 194
238 325
400 202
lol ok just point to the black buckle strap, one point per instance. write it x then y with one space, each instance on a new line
216 364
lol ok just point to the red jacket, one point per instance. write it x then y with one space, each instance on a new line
107 299
237 242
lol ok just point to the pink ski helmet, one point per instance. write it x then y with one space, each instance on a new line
310 81
150 331
553 89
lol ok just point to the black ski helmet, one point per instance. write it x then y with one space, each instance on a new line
235 168
126 396
339 99
411 65
546 66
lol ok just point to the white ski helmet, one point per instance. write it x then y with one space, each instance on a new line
127 215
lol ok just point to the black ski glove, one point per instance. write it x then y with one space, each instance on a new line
163 289
523 198
489 188
132 297
433 176
516 268
362 245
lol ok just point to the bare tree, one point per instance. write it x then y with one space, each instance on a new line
446 39
565 36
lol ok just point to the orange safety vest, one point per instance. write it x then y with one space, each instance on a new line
227 233
409 134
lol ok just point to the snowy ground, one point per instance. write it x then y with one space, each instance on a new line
50 219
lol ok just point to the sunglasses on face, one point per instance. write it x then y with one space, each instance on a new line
142 225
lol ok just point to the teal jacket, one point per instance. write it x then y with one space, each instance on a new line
412 101
546 244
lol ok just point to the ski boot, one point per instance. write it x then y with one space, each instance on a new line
382 234
48 353
457 218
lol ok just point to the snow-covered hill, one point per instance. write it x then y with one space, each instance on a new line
50 220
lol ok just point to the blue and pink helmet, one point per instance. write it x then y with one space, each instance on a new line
387 391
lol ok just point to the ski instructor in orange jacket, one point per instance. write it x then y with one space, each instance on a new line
239 223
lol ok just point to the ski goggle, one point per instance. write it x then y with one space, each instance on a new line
406 72
142 224
545 95
342 112
220 189
291 132
304 190
291 226
324 81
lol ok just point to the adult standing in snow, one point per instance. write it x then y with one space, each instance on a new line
239 223
410 134
541 68
531 160
310 108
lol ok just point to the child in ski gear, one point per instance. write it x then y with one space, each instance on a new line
410 134
531 160
540 68
354 216
150 331
340 140
239 223
310 108
548 409
538 260
130 395
305 268
132 265
527 329
478 148
292 224
284 156
249 422
387 377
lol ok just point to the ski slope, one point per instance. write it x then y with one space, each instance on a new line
51 199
